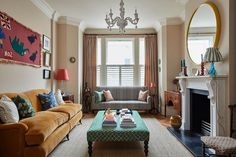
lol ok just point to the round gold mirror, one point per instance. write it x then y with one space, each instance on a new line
203 31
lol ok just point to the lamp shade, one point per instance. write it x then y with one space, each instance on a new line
61 74
213 55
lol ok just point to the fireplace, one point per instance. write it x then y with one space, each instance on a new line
213 92
200 112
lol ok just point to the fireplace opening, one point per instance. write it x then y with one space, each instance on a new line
200 112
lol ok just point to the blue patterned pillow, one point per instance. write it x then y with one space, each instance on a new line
47 100
24 107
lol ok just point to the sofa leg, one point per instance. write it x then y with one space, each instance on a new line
80 122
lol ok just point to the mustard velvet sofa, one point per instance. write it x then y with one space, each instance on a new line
37 136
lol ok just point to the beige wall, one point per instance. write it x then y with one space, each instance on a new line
170 51
15 77
174 49
68 43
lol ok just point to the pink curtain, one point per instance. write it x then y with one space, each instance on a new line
89 61
151 66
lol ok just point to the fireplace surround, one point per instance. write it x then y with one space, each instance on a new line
216 88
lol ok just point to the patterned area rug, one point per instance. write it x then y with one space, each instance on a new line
162 144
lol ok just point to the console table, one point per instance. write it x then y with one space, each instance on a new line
175 98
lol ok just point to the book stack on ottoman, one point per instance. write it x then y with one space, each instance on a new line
109 119
127 121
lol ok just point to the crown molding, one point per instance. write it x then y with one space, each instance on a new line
45 8
69 21
170 21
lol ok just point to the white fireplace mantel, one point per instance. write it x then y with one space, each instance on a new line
217 89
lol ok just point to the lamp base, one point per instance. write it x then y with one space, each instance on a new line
212 70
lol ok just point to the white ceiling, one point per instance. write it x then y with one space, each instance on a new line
92 12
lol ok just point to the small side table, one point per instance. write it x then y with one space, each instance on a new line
175 98
69 97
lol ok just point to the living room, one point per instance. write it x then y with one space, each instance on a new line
74 38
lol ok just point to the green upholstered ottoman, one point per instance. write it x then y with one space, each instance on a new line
111 134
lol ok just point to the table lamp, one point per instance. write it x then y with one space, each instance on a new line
62 75
212 55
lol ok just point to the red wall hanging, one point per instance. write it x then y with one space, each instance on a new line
18 44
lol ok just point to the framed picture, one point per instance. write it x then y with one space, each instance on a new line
46 43
46 74
47 56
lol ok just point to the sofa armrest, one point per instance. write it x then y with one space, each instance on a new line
13 136
149 100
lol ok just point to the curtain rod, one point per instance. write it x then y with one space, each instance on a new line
122 34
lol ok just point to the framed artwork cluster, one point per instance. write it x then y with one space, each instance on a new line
46 45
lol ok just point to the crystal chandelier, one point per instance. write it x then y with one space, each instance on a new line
121 21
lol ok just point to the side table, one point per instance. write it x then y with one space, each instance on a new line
69 97
173 97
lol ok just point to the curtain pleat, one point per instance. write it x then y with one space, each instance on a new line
89 61
151 66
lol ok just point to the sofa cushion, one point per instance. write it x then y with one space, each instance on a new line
108 95
143 95
99 96
123 93
32 95
68 108
8 110
24 107
42 125
58 97
47 100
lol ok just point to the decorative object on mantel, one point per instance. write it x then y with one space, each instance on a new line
176 121
18 44
183 68
121 21
212 55
62 75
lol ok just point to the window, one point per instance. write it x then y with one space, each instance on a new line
121 62
120 52
194 48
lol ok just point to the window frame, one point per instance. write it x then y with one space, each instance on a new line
136 65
